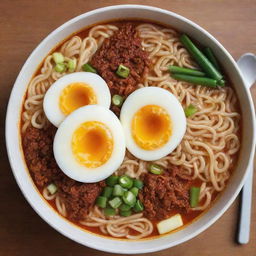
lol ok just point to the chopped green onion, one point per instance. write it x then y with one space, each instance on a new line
118 190
58 57
107 192
71 65
109 211
201 59
123 71
88 68
101 201
129 198
52 188
196 80
194 196
124 207
135 191
125 181
156 169
126 213
115 202
209 54
112 180
185 71
60 67
138 184
190 110
117 100
138 207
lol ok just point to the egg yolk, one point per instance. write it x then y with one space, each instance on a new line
92 144
76 95
151 127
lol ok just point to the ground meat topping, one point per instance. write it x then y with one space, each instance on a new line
78 197
38 150
38 153
165 193
124 47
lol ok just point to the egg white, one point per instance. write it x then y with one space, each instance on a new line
62 145
51 99
166 100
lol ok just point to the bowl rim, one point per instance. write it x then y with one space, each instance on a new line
8 136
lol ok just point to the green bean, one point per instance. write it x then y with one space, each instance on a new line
196 80
185 71
201 59
101 201
221 82
209 54
194 196
112 180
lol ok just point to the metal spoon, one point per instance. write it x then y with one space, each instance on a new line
247 65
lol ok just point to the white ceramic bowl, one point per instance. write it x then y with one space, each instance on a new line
14 145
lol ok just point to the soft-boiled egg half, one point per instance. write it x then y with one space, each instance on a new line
73 91
154 123
89 144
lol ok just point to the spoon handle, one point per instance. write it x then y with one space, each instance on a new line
245 214
247 65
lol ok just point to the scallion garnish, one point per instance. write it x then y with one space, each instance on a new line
117 100
156 169
123 71
129 198
58 57
115 202
88 68
190 110
71 65
101 201
60 67
138 207
109 211
194 196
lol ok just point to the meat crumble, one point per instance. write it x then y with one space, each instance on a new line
124 47
165 193
38 150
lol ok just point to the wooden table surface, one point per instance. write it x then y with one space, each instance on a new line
23 24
